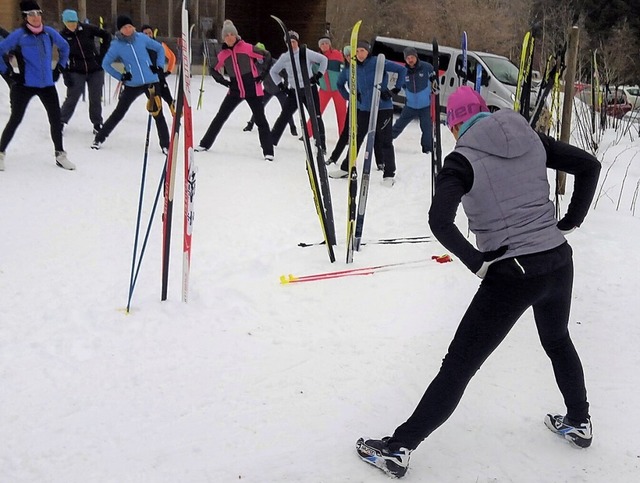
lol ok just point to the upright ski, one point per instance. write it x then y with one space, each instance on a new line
322 167
353 144
189 166
169 185
478 84
555 65
311 171
368 152
465 74
436 153
523 87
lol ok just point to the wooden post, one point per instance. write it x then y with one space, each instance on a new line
567 105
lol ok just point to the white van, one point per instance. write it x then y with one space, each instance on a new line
499 75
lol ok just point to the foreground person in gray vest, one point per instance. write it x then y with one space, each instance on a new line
498 171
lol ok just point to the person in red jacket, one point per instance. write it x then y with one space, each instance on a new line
240 61
328 84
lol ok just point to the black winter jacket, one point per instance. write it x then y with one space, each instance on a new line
83 57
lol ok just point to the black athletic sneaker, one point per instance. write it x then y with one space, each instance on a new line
378 453
577 434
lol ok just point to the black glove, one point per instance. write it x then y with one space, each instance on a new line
68 79
489 258
395 91
283 87
222 81
385 94
57 71
155 69
10 77
126 77
257 79
315 78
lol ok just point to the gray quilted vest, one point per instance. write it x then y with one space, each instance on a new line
508 203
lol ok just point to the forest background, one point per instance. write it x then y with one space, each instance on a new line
498 26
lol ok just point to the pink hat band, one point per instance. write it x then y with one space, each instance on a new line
463 104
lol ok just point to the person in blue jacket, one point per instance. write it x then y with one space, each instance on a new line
139 77
383 147
417 88
32 46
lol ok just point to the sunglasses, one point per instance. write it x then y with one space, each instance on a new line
33 13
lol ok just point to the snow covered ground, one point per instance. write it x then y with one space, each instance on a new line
261 382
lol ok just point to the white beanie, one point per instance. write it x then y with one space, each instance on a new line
229 28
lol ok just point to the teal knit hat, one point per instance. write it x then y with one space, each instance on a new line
69 15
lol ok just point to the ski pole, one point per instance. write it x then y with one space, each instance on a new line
153 212
381 241
142 180
342 273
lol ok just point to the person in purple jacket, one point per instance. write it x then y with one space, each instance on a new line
32 46
498 171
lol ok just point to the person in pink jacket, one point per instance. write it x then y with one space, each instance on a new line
239 60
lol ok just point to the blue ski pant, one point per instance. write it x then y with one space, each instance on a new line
503 296
407 115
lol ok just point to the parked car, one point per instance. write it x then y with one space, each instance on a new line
633 95
617 104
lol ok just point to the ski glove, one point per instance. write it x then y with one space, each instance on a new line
283 87
315 78
387 95
68 80
222 81
489 258
10 77
57 71
126 77
155 69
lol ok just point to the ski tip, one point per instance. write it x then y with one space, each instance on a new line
284 279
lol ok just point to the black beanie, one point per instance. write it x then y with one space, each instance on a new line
363 44
26 5
410 51
123 20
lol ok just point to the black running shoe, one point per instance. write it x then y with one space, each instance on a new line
378 453
577 434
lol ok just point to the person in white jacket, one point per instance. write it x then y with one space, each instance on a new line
288 85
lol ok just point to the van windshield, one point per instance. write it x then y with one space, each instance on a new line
502 69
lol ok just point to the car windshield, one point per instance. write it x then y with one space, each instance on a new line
502 69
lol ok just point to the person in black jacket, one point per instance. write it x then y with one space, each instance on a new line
84 67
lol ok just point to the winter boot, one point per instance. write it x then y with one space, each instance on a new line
96 145
338 174
294 131
63 162
388 182
200 149
248 127
578 434
377 452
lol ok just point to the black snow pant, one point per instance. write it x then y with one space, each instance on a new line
504 294
20 96
282 99
383 150
127 96
94 81
290 108
228 105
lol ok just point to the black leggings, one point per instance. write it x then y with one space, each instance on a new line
20 96
126 98
502 298
228 105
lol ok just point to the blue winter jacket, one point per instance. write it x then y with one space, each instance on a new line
34 54
132 52
365 74
417 86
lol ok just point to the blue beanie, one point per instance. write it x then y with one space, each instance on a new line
69 16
